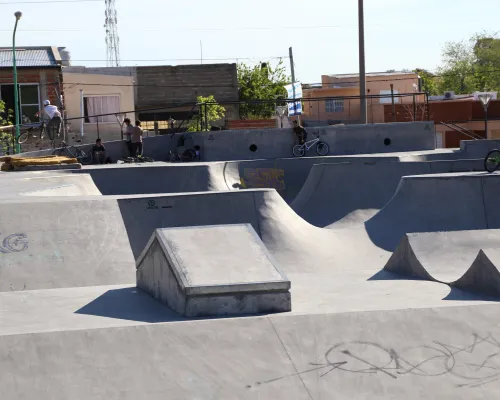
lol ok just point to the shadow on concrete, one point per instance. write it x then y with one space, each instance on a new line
134 305
384 275
130 304
461 295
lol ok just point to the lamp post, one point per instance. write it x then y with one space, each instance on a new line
362 65
18 15
485 99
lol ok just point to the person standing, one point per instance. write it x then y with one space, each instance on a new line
55 120
129 129
137 140
300 132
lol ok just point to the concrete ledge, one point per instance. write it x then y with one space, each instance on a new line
212 271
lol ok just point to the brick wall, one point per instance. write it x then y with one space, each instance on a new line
169 85
47 78
243 124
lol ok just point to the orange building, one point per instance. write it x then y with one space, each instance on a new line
334 100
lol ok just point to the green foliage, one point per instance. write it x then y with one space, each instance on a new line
470 66
214 112
6 118
262 82
429 84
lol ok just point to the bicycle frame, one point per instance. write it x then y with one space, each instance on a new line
308 145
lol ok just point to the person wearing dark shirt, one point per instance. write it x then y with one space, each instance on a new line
300 132
99 152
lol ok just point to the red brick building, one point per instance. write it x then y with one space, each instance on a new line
39 71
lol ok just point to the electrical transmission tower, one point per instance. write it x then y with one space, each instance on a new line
112 39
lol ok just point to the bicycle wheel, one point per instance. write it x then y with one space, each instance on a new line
23 137
299 150
85 157
59 152
492 161
322 148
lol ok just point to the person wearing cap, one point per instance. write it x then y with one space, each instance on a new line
55 120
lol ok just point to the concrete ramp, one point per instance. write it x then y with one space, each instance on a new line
47 185
433 203
453 258
158 178
333 191
91 241
81 241
217 270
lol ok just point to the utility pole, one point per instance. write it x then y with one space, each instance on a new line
362 67
292 69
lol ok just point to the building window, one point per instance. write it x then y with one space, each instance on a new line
29 101
334 106
96 106
387 98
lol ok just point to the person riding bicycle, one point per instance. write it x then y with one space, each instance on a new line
300 132
55 120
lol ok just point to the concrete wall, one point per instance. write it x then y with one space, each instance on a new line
278 143
96 85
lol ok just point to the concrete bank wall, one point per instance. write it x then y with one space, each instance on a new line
278 143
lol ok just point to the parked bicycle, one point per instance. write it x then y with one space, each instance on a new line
299 150
492 161
35 131
83 157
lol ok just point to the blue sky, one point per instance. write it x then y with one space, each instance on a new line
399 33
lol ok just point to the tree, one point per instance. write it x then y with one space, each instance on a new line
261 83
429 82
210 109
5 119
472 65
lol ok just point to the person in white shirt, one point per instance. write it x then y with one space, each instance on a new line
55 120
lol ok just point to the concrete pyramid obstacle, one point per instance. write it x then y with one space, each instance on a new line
196 273
434 203
453 258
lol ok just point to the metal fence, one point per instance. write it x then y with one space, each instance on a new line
322 111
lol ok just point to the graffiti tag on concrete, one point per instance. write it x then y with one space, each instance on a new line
262 178
14 243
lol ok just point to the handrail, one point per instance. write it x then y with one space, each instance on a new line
462 130
4 128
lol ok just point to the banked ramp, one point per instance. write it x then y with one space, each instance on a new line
468 260
433 203
333 191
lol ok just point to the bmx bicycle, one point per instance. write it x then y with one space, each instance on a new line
84 157
492 161
32 131
299 150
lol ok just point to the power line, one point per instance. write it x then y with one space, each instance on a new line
161 60
49 1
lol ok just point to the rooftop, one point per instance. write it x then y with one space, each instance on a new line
35 56
370 74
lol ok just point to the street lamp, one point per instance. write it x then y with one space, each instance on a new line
362 65
485 99
18 15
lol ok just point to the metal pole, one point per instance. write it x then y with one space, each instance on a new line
82 114
393 104
206 117
362 65
16 94
414 108
292 69
98 136
486 122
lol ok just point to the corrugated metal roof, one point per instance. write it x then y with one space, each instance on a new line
28 57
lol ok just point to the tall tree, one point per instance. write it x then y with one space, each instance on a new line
429 82
472 65
261 83
210 111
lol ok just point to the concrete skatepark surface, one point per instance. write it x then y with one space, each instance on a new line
74 325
